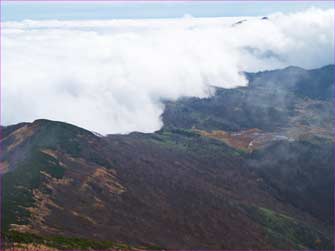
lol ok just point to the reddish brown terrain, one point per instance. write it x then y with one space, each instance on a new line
259 176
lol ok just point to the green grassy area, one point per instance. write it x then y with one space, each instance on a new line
177 139
63 243
284 231
18 186
188 140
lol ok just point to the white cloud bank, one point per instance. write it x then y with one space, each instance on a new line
109 76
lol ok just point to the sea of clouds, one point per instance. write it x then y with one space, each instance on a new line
111 76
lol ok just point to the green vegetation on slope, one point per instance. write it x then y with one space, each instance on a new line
18 186
284 231
63 243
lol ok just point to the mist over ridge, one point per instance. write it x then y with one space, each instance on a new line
110 76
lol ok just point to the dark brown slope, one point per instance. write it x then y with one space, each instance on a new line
184 187
170 189
144 193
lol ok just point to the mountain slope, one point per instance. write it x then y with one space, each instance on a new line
249 168
292 97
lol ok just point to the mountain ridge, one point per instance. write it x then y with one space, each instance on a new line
250 167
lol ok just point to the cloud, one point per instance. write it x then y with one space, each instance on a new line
110 76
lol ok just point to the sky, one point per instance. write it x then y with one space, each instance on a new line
107 67
16 11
